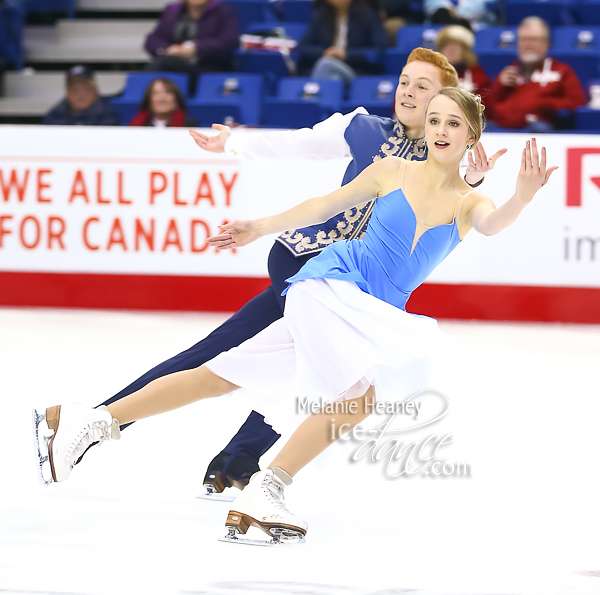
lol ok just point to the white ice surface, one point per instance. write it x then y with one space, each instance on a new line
525 409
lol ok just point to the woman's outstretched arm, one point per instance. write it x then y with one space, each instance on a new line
370 183
488 220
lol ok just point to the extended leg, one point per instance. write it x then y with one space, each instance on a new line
320 430
170 392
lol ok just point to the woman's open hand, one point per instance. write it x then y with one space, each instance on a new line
479 164
236 234
533 173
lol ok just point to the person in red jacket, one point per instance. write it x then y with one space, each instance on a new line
456 43
528 93
163 105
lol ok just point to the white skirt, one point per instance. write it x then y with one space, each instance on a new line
333 342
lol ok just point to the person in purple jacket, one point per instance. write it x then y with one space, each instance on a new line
194 36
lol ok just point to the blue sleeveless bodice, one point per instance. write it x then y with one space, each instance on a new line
381 264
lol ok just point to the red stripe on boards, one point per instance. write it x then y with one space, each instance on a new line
228 294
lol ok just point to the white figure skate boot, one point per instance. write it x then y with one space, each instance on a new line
262 505
72 429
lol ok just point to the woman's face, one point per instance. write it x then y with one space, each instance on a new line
161 100
453 51
446 130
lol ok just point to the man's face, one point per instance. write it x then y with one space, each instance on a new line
81 95
532 43
418 83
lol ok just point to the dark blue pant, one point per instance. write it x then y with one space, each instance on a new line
255 437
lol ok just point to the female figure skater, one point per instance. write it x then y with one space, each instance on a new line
357 289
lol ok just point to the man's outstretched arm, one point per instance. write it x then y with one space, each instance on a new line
324 140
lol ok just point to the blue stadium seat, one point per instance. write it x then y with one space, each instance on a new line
252 11
496 47
272 65
394 60
582 39
51 6
302 102
375 93
409 38
554 12
12 22
128 103
587 119
587 12
291 30
595 82
227 95
579 47
414 36
299 11
502 39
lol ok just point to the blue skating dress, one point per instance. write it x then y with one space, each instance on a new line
344 326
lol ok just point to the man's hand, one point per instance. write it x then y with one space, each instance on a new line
213 143
173 50
335 52
508 76
533 174
479 164
187 49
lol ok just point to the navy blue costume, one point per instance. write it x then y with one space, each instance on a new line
370 138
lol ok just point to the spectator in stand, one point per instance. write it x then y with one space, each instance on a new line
338 38
163 105
456 43
529 93
472 14
396 14
82 105
194 36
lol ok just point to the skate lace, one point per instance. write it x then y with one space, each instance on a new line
274 492
97 431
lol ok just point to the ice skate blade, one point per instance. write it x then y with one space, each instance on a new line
215 497
279 538
41 449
